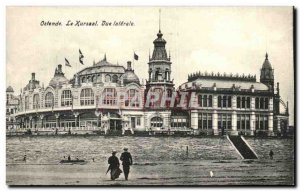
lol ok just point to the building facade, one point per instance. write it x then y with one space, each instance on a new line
12 103
106 97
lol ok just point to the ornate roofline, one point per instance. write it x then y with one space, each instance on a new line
218 76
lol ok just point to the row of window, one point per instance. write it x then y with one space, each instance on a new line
86 98
226 102
97 78
225 121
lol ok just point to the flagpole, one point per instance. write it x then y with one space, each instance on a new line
133 61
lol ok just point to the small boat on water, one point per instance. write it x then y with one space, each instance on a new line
72 161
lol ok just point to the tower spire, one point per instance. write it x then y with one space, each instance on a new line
104 57
266 55
159 19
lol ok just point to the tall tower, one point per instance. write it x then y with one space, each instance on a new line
267 74
159 64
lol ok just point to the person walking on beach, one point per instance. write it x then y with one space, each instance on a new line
126 162
271 154
114 164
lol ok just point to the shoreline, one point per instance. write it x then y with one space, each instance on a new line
147 135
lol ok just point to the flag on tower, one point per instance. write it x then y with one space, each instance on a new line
80 57
67 63
136 57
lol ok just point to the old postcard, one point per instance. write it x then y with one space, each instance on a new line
144 96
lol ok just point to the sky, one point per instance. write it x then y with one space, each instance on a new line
213 39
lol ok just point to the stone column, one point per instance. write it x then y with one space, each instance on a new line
270 122
252 104
194 119
233 105
278 125
215 101
30 122
42 120
97 113
233 123
57 120
271 104
76 114
252 121
215 123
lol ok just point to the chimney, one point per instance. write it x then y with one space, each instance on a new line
129 65
33 76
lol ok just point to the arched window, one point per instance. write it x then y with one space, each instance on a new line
114 79
26 102
49 100
87 97
238 102
88 79
109 96
66 98
156 122
93 78
83 80
107 78
132 98
36 101
99 78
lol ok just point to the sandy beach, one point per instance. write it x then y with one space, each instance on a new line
168 166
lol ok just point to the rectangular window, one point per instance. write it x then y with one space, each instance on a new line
138 121
238 102
224 101
219 121
248 102
229 101
248 122
219 101
209 120
200 100
243 102
266 124
238 122
205 101
266 103
257 103
200 121
210 101
257 122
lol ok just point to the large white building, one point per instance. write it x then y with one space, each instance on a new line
109 98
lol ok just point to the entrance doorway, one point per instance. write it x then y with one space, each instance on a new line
132 121
115 124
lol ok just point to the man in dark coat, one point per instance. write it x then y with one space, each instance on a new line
127 161
114 164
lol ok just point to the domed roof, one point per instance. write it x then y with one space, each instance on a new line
58 81
129 76
59 77
267 64
9 89
103 62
